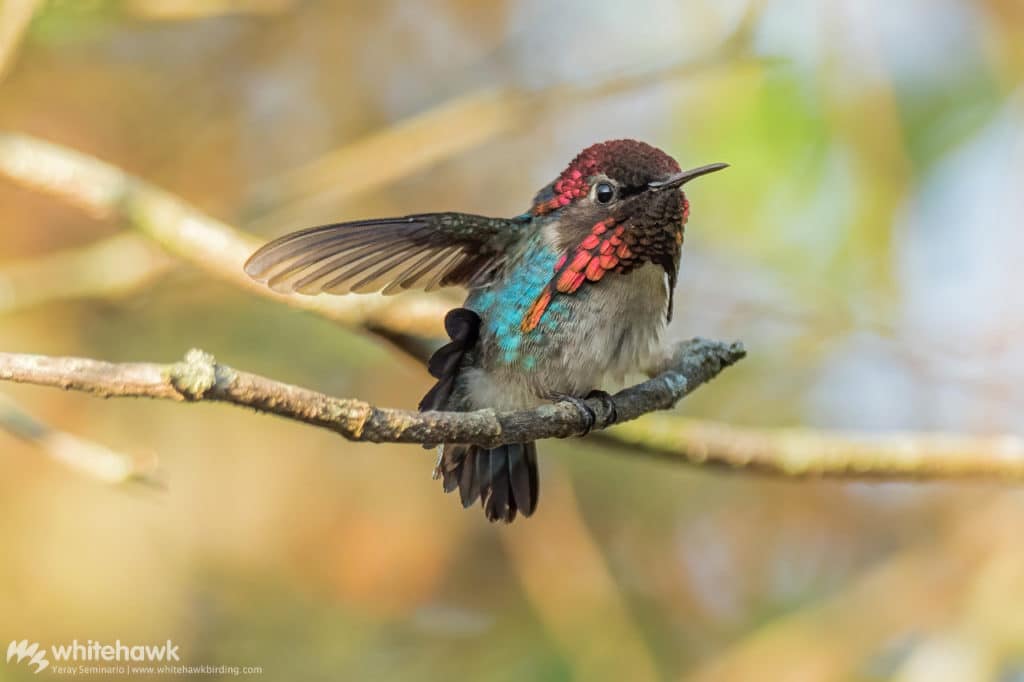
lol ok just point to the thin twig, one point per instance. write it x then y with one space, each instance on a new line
383 157
108 268
813 453
15 18
176 10
79 454
200 378
459 124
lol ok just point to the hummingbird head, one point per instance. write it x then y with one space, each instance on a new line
617 207
625 183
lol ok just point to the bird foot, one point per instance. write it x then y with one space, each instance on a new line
588 414
609 404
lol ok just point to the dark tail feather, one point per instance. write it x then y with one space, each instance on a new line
469 487
504 478
498 504
522 470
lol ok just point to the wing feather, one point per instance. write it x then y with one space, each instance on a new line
355 275
394 254
417 268
385 274
438 275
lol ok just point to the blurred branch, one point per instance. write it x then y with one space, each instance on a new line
589 617
200 378
735 50
109 267
405 148
103 190
15 17
383 157
799 452
909 593
190 10
84 456
459 124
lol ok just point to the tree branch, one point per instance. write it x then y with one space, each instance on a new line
15 18
812 453
84 456
200 378
107 268
793 452
103 190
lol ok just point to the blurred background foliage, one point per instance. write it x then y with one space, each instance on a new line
865 245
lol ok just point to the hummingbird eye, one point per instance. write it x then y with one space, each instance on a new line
604 192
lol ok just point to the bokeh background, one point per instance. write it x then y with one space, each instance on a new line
866 246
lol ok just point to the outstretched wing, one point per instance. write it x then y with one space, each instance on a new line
425 251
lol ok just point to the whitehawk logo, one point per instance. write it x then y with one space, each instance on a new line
33 652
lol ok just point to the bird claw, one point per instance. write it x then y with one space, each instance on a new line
584 409
437 465
609 405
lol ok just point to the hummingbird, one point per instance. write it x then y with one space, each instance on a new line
574 292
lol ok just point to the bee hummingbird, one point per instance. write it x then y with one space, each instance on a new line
575 291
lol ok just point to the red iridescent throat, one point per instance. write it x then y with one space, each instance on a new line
601 251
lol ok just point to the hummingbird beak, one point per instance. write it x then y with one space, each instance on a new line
680 179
